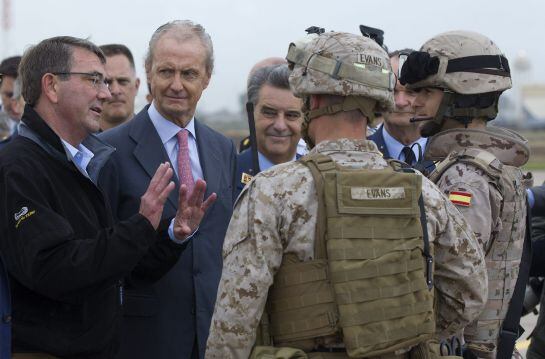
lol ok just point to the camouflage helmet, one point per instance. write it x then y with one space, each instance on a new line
463 62
343 64
339 63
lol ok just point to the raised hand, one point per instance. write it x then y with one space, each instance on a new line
153 201
191 209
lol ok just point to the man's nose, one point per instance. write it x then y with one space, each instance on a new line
280 123
177 83
114 87
104 93
401 99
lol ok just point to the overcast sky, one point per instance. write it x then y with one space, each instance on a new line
246 31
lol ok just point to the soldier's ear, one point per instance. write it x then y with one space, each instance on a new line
315 101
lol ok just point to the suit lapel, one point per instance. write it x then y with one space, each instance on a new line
149 150
381 144
208 158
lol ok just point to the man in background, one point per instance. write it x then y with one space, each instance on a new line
121 76
398 138
277 118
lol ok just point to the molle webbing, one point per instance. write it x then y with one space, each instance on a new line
368 282
479 158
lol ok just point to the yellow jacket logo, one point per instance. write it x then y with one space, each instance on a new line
23 214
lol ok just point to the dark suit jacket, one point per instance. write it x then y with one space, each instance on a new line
5 313
539 201
165 319
424 166
245 165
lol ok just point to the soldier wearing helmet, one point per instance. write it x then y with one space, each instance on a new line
460 77
338 254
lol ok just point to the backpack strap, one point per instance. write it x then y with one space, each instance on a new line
482 159
317 164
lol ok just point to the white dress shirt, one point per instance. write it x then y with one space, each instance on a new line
395 147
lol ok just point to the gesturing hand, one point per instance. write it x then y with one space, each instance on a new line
191 209
153 201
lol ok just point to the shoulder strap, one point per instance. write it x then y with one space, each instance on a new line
317 164
475 156
511 330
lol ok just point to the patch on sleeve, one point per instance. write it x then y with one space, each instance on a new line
21 215
460 198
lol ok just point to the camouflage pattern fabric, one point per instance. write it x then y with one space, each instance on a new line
458 44
495 209
360 54
276 215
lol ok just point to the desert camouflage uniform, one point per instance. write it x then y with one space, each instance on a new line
276 215
490 218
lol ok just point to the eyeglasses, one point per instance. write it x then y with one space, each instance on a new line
96 78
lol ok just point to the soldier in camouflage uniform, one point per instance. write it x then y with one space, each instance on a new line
275 219
460 77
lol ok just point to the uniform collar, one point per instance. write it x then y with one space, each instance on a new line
345 144
509 147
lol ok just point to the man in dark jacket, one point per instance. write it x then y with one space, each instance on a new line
65 257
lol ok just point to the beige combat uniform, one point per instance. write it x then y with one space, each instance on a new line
276 215
489 192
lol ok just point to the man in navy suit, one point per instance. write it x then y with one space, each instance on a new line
397 137
171 318
278 118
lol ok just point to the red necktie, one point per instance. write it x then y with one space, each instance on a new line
184 164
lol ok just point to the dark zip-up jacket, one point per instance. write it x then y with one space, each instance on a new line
64 255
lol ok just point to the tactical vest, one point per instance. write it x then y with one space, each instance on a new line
504 253
370 283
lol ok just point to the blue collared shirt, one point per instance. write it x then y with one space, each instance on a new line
80 156
395 147
265 163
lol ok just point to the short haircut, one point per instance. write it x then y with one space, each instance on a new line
275 76
51 55
183 30
9 66
395 53
118 49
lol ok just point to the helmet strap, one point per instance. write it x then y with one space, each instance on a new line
464 115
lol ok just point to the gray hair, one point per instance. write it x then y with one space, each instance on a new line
183 30
275 76
51 55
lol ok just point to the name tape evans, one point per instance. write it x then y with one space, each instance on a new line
378 193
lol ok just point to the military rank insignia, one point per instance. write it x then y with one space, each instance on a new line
460 198
245 178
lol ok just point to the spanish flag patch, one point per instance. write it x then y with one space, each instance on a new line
460 198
